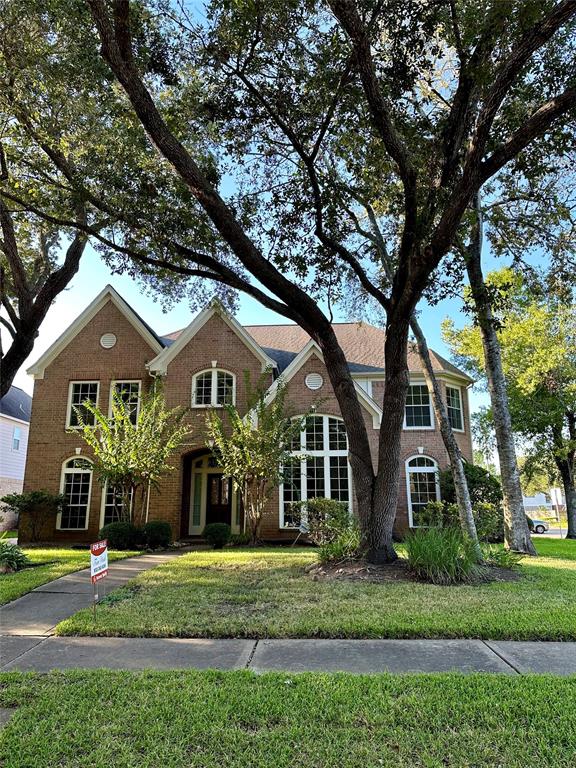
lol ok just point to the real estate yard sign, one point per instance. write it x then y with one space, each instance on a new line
98 560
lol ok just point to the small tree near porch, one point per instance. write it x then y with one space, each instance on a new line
253 450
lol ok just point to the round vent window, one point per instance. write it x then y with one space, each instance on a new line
314 381
108 340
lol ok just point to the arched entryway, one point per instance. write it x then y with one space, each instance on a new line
207 496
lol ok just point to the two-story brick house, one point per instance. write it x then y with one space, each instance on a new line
110 347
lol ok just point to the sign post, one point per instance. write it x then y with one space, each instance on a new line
98 566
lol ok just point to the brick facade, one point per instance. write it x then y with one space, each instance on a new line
215 344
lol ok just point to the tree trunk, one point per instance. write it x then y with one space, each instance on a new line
564 456
20 348
456 464
516 531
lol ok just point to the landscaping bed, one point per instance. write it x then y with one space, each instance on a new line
47 564
258 593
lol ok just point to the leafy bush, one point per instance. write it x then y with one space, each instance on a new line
441 555
327 519
482 485
34 510
120 535
501 557
489 518
343 547
240 539
11 557
157 533
217 534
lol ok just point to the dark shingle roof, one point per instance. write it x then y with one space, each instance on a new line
17 404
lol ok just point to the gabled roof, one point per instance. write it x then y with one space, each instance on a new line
16 404
107 294
311 349
162 360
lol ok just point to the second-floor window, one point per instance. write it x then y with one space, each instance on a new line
129 391
80 392
16 437
418 413
213 388
454 406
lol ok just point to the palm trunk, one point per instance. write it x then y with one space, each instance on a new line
455 457
516 531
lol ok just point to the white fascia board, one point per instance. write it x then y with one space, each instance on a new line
107 294
160 363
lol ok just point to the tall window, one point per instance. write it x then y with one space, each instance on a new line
213 388
454 406
129 391
76 486
16 437
113 506
80 391
418 413
322 471
422 486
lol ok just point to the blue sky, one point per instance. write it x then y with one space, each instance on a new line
94 275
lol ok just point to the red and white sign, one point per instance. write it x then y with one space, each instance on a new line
98 560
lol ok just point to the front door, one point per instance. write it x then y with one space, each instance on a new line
219 499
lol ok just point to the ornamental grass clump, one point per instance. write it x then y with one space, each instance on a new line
442 556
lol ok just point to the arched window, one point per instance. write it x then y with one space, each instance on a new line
76 486
422 486
212 388
323 470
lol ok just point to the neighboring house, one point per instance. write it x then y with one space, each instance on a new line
15 409
553 502
203 366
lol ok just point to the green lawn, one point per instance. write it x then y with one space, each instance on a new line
49 563
241 720
265 593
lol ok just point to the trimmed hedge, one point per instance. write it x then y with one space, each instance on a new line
158 534
217 534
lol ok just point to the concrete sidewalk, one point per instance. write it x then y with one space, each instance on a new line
38 612
42 654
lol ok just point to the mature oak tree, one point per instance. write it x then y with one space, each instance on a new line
224 153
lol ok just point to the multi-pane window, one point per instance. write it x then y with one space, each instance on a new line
16 437
213 388
80 392
454 406
113 505
423 486
418 413
129 392
320 467
76 487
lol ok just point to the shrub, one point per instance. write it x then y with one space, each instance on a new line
240 539
327 519
441 555
11 557
482 485
157 533
120 535
489 518
34 510
217 534
501 557
344 546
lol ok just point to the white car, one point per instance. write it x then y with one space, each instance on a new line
539 526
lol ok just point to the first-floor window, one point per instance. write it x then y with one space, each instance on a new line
76 487
16 437
113 505
319 468
454 406
80 392
422 485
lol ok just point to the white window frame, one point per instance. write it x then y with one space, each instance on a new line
327 454
431 409
16 437
113 384
69 406
456 389
104 490
64 470
214 387
204 469
410 470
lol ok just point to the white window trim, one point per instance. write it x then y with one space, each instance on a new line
457 389
69 406
204 471
103 491
214 387
368 387
63 473
432 426
326 453
408 470
19 438
124 381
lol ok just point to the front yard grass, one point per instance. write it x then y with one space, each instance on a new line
241 720
49 563
265 593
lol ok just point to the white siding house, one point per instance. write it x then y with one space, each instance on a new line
15 409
